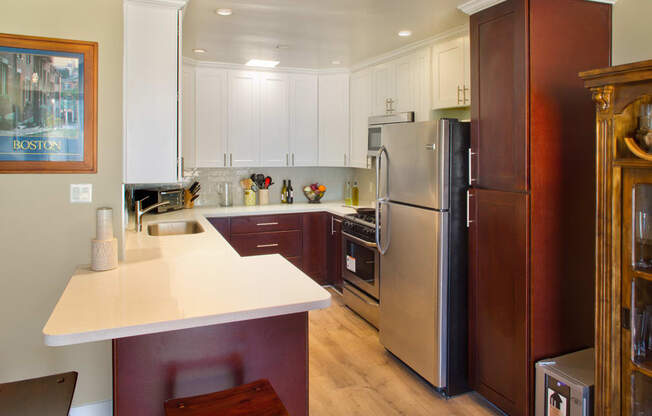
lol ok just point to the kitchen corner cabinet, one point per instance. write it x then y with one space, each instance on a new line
301 238
334 119
623 278
532 231
451 73
151 73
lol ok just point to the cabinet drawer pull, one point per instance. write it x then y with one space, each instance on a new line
266 223
267 245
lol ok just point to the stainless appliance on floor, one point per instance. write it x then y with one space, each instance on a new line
360 265
564 384
422 175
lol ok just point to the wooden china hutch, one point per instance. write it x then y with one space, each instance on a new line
623 343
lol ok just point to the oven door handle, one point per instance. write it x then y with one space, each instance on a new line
359 240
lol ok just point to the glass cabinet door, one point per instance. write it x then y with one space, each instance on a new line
637 292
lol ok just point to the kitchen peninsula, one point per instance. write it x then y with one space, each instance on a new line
188 315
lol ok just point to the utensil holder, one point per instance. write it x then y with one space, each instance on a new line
249 197
263 197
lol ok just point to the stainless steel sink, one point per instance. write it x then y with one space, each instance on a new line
175 228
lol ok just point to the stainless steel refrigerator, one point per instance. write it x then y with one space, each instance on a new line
422 179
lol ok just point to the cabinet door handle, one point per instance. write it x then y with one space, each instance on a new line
344 159
293 159
464 93
260 224
471 154
287 163
459 90
468 209
225 165
267 245
231 158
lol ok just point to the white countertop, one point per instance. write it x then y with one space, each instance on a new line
184 281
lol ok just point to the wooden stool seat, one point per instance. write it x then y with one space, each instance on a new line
49 395
253 399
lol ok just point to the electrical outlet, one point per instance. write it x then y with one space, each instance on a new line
81 193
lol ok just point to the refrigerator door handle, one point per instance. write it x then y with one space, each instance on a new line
378 163
379 203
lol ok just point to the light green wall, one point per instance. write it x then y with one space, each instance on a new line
42 236
632 31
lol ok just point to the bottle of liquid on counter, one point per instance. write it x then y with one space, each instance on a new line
284 191
347 193
290 191
355 194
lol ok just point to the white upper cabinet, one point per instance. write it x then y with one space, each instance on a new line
334 120
451 73
188 117
274 119
361 109
151 70
243 119
384 87
304 120
402 84
210 118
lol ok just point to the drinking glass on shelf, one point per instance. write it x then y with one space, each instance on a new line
643 233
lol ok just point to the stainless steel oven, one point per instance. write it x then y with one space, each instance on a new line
360 264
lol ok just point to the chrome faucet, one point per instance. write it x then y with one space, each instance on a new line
140 211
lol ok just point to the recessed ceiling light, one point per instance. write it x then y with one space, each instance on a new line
336 62
262 62
224 12
405 33
281 46
199 50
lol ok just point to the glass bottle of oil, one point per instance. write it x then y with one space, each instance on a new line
355 194
347 193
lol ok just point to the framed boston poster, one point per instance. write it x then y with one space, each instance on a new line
48 105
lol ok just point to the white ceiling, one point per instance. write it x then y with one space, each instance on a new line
316 31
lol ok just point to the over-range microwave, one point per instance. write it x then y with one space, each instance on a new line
376 123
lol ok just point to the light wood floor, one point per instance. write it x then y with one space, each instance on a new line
352 374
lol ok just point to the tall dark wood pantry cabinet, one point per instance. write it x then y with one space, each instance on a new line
532 202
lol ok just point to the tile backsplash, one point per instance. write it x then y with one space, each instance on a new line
333 178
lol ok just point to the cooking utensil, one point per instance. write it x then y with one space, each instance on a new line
254 187
193 198
193 188
268 182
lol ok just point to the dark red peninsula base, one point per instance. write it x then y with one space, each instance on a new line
149 369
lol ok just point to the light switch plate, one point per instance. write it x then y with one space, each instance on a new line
81 193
